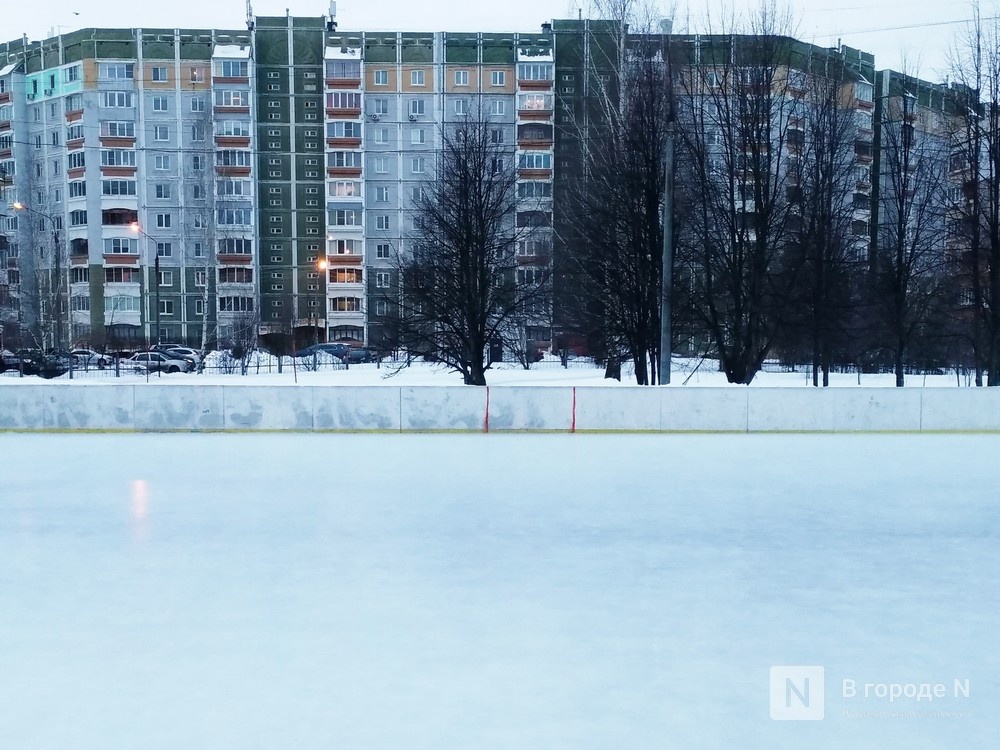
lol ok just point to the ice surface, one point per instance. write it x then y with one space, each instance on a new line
441 591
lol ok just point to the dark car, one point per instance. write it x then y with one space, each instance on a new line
332 350
45 365
357 356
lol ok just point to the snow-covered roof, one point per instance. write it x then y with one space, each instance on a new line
341 53
529 55
7 69
231 50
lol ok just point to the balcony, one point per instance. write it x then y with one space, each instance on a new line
534 114
235 259
76 173
343 171
343 83
345 259
72 115
6 153
117 171
231 80
230 109
534 174
232 141
343 143
229 170
343 113
532 85
5 97
72 144
117 141
4 125
121 259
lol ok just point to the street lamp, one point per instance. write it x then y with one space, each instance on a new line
321 265
156 277
57 272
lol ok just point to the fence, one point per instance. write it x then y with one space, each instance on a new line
183 407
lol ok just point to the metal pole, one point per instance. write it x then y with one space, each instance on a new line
667 275
57 315
156 280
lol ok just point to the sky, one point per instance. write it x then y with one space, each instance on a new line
913 34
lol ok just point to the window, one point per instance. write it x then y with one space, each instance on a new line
418 164
345 304
161 133
116 71
461 78
238 216
345 218
198 104
496 135
461 107
160 104
121 246
416 78
163 221
534 190
864 91
498 78
166 305
535 160
198 192
158 74
121 303
74 132
76 160
235 304
416 107
382 279
235 275
381 78
381 165
79 189
380 106
418 136
54 138
166 278
345 189
71 74
416 194
122 275
497 107
381 194
115 129
534 102
199 304
232 68
197 163
162 190
161 162
79 275
77 218
341 129
197 74
232 98
197 133
382 250
117 157
235 158
116 99
342 100
199 250
237 246
534 71
345 276
350 159
381 136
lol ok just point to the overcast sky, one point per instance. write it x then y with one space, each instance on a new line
856 22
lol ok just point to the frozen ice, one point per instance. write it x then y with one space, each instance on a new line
492 591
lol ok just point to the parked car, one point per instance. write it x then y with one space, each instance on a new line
90 358
356 356
46 365
159 362
9 360
183 351
323 349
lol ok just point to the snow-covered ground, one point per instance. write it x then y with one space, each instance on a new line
364 592
686 372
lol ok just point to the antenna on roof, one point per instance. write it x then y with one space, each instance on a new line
331 23
250 23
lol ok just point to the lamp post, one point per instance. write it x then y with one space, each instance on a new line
156 278
321 266
55 278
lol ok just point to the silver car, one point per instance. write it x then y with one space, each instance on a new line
158 362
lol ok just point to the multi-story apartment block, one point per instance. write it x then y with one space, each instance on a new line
191 184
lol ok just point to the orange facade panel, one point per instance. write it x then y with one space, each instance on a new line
343 83
74 143
534 174
118 171
121 259
5 97
222 110
345 260
343 171
233 141
534 114
73 115
117 141
526 85
238 80
231 171
235 259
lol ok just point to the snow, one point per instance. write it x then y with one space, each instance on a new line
444 591
549 372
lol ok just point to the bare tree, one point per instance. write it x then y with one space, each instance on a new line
616 208
975 65
908 262
735 108
458 286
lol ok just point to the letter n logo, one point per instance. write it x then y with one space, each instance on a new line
797 693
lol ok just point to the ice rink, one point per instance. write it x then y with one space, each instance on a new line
236 592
